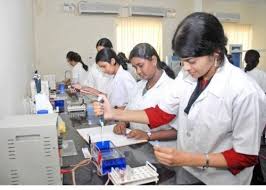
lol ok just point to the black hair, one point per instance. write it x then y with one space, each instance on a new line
252 59
199 34
107 54
167 70
123 59
105 42
73 56
146 51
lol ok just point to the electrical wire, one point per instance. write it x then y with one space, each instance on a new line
77 166
82 164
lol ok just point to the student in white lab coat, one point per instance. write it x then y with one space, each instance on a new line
79 70
252 59
220 111
96 78
156 78
122 84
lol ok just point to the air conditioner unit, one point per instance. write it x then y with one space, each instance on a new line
227 17
147 11
98 8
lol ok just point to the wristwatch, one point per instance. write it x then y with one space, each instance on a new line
149 135
207 161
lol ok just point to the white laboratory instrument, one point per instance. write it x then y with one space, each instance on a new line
29 150
42 104
44 90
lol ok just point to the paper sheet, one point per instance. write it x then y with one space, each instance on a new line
108 134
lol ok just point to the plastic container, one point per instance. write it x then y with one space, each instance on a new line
61 88
60 105
107 156
91 117
103 145
60 100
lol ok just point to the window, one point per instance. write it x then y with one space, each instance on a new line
238 34
134 30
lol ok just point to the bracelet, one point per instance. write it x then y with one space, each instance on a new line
206 165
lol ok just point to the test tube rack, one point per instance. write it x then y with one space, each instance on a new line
134 176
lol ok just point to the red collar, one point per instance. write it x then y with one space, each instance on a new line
203 83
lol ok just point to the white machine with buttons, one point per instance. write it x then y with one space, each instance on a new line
29 150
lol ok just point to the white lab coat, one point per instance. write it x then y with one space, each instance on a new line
120 88
97 79
79 74
259 76
229 113
150 99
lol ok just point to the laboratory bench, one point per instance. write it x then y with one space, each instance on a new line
136 155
